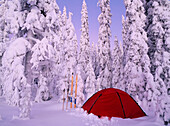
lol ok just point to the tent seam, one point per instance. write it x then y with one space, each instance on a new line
94 103
121 104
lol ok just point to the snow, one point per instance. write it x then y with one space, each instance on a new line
35 34
50 113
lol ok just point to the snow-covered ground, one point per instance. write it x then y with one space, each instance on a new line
50 114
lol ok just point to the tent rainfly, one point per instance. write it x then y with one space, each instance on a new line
113 102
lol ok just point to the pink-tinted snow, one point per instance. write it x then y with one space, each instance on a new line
50 114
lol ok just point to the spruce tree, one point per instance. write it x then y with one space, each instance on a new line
104 45
90 85
42 53
117 65
68 51
43 90
84 52
137 76
14 20
25 100
93 54
14 81
62 80
43 21
11 22
80 88
158 16
35 21
125 39
2 28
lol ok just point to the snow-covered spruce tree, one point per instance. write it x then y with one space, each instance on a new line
125 39
117 65
55 65
14 80
90 85
105 76
84 52
71 47
11 20
13 70
68 52
80 88
97 63
94 57
25 100
42 52
15 83
43 21
59 47
137 77
121 47
55 37
2 21
43 91
1 76
14 20
158 33
53 26
33 25
122 66
2 24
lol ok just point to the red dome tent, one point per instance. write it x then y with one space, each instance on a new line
113 103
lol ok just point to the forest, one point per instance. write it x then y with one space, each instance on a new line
39 54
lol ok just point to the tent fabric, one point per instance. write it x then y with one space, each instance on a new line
113 102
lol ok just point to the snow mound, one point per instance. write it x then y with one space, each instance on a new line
93 120
50 113
18 118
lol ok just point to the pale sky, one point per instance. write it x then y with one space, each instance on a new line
75 6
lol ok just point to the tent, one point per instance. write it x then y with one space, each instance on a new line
113 102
